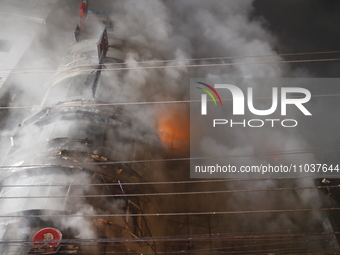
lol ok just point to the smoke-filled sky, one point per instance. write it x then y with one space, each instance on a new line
184 29
180 29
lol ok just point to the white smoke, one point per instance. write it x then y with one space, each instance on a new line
179 30
189 29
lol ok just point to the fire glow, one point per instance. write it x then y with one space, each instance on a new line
173 129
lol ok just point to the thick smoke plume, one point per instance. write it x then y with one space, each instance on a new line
177 31
190 29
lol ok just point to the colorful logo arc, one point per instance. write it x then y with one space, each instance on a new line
209 93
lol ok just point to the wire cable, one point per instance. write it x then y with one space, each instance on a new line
185 59
177 193
175 213
164 182
263 154
76 70
137 103
184 238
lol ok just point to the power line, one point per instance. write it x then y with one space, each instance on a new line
204 237
165 182
75 70
137 103
227 250
239 237
174 214
177 193
184 59
272 153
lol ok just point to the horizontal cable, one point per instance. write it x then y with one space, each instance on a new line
211 237
272 153
183 238
173 213
163 183
184 59
139 103
180 66
178 193
294 250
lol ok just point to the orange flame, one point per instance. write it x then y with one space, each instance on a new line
173 129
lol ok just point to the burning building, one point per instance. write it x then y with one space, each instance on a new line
70 161
83 168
